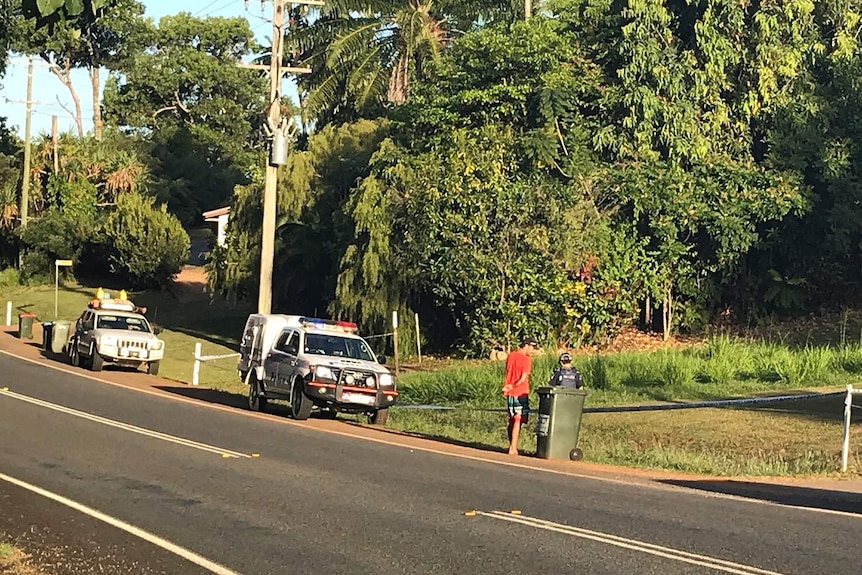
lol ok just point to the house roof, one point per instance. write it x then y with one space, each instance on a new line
213 215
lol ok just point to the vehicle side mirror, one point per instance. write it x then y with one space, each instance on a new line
381 359
157 330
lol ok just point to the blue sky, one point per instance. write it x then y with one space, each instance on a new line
49 93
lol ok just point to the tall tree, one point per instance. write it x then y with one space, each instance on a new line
364 57
201 112
107 38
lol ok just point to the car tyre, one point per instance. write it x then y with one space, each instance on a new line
300 404
153 368
379 417
96 361
256 400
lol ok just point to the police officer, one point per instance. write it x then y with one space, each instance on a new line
566 375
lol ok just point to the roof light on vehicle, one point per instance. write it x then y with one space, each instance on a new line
317 323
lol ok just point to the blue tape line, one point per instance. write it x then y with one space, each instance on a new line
653 407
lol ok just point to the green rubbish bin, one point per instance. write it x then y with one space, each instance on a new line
47 329
558 422
25 325
60 336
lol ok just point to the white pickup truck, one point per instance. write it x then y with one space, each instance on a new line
113 332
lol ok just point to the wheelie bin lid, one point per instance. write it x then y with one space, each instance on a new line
559 390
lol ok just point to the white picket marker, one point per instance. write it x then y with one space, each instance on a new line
196 372
8 313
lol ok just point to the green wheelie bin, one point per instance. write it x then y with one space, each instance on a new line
60 336
559 422
25 325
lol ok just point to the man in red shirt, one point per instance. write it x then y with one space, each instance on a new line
516 390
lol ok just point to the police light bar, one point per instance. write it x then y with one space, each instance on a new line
335 325
112 304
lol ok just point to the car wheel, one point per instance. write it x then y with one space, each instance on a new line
379 417
96 361
74 356
300 404
153 368
256 400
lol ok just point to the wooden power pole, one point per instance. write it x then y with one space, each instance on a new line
25 183
278 128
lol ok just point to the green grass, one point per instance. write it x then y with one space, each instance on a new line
6 550
795 438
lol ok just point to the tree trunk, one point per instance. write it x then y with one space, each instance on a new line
667 314
97 103
648 313
63 75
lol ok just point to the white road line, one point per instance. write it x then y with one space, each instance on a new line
126 426
186 554
632 544
444 453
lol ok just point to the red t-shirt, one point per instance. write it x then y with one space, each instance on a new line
517 364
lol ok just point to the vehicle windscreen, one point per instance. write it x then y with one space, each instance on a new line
121 322
338 346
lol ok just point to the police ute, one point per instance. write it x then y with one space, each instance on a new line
313 364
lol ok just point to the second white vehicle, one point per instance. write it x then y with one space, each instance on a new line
113 332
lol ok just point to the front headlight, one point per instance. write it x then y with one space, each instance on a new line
156 345
386 380
323 372
108 341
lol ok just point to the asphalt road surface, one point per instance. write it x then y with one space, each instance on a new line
214 491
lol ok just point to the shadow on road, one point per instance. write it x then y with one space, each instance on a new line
437 438
792 495
240 401
207 395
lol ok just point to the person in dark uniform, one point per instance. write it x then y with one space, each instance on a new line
566 375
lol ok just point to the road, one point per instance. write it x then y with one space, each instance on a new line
257 495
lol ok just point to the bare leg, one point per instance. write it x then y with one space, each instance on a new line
515 432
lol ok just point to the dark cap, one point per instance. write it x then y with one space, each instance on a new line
529 341
565 357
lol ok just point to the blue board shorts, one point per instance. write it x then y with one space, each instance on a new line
519 406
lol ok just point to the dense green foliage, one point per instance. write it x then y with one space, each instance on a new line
661 162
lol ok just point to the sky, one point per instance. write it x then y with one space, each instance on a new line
50 95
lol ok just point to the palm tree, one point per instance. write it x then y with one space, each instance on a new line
365 55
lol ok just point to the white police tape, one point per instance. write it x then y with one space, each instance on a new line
649 407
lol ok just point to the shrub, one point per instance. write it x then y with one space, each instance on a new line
143 245
9 278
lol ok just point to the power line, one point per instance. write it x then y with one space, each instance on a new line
205 8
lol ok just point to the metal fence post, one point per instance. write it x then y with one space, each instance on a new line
196 371
845 448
